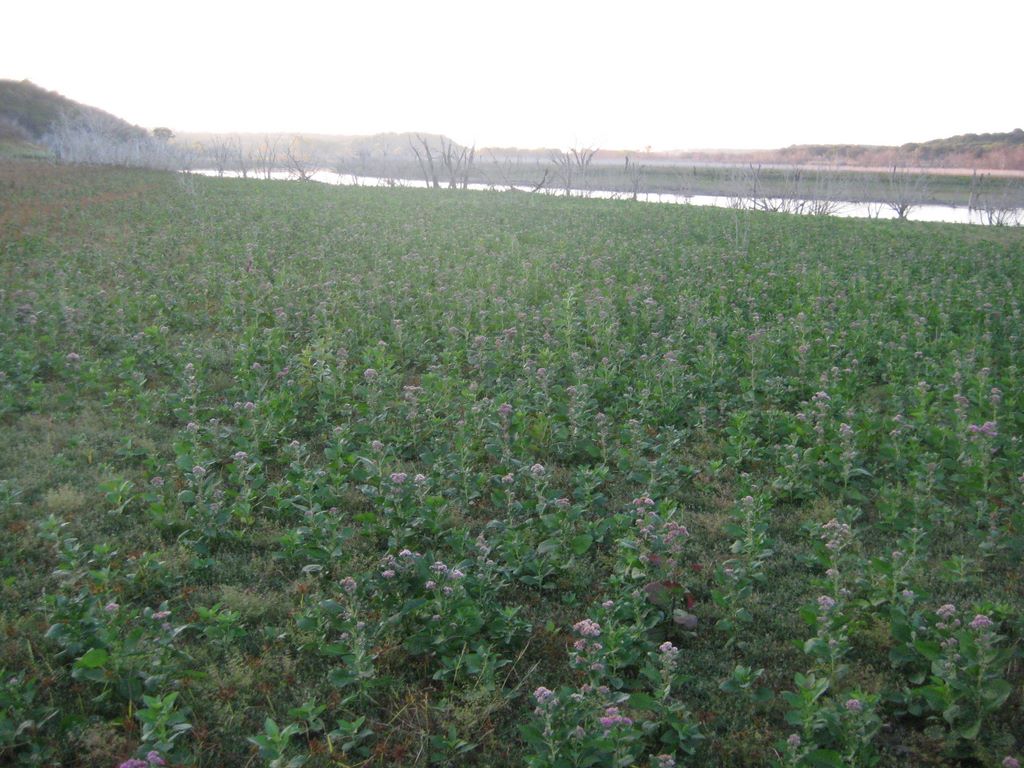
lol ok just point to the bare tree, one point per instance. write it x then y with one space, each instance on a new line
243 159
301 160
427 165
220 153
98 139
572 168
457 162
635 175
824 192
996 205
564 170
265 155
504 169
904 190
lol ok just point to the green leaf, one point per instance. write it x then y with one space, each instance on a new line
827 758
548 546
94 658
995 693
582 543
642 701
930 650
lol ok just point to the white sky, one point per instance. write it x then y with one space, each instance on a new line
615 75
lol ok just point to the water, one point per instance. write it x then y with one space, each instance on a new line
953 214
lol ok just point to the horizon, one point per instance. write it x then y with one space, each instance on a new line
658 77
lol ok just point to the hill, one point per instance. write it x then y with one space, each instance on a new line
32 113
988 151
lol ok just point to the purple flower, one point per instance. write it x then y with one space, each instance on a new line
198 471
134 762
399 477
111 607
854 705
73 357
348 584
250 406
794 740
161 615
537 470
988 429
612 718
544 696
157 482
388 574
430 584
505 410
946 611
826 603
377 445
240 456
588 628
664 761
370 374
981 621
1010 762
153 758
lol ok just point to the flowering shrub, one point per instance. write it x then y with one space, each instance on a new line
351 472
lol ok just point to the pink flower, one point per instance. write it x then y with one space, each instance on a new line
981 621
348 584
588 628
826 603
854 705
612 718
398 477
1010 762
544 696
988 429
388 574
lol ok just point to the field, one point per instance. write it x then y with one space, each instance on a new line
370 477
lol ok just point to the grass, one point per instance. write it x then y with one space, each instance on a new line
339 475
